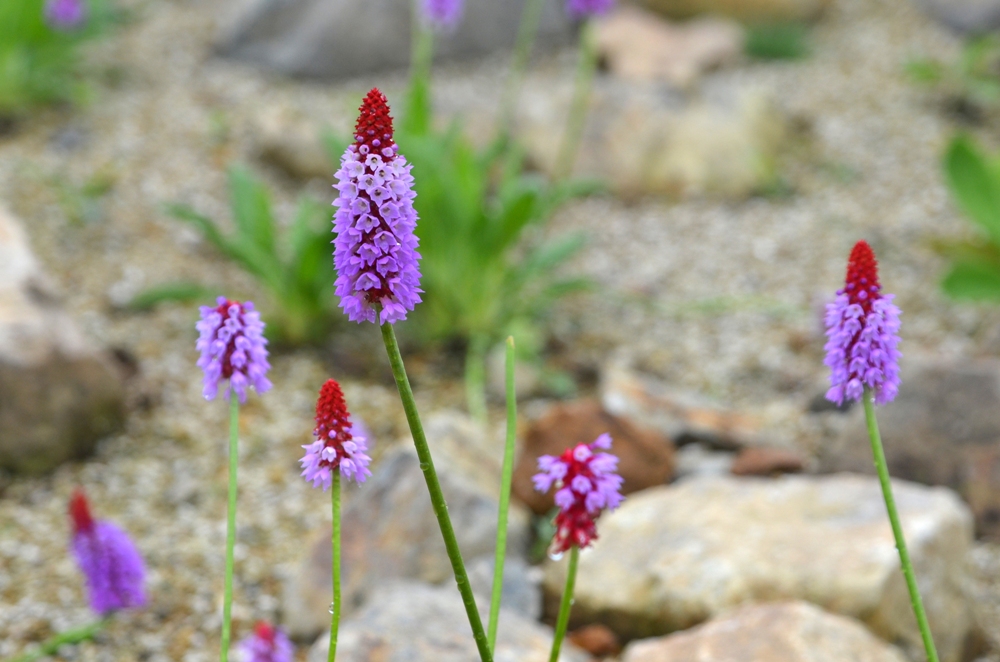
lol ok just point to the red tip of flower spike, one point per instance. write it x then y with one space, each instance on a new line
333 422
374 127
227 365
264 631
862 286
79 511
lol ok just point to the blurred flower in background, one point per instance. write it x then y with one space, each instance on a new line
583 8
267 644
443 15
65 14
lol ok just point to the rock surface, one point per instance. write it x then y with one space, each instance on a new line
674 556
411 622
639 45
765 461
58 394
785 631
751 11
646 458
973 16
941 429
389 530
340 38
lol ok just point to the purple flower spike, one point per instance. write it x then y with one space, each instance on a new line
375 249
65 15
112 565
267 644
586 484
584 8
862 327
339 446
443 15
233 347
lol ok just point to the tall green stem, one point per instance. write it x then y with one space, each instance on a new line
566 604
475 377
417 118
434 488
897 530
227 597
506 475
51 645
586 66
335 541
531 16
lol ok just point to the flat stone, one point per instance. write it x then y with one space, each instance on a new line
59 394
751 11
672 557
785 631
341 38
646 457
412 622
941 429
767 461
389 530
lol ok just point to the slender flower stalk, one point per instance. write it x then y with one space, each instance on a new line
233 347
527 32
565 605
506 476
862 328
339 450
267 644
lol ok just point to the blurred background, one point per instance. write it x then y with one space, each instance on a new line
663 273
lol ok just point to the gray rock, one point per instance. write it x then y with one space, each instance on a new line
973 16
338 38
751 11
389 530
785 631
674 556
941 429
58 394
411 622
522 584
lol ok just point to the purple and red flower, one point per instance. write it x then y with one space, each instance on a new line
443 15
584 8
586 485
862 327
65 15
267 644
232 345
339 446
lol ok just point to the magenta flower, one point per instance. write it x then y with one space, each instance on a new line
233 347
862 327
375 249
109 560
339 445
586 485
584 8
444 15
267 644
65 14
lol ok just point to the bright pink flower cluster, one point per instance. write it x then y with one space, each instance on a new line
338 447
587 484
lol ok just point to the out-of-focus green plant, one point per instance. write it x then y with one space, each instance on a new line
973 81
295 269
777 41
974 180
40 64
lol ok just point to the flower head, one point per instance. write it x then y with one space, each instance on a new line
586 484
65 14
112 565
267 644
233 347
375 249
443 14
862 327
584 8
339 446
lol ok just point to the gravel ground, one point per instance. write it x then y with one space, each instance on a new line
717 297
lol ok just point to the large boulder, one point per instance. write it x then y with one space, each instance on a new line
389 530
674 556
58 393
785 631
941 429
412 622
972 16
340 38
751 11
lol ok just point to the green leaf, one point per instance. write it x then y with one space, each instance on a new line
184 292
207 226
977 281
974 186
251 205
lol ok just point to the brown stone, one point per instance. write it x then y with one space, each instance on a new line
766 461
597 639
646 457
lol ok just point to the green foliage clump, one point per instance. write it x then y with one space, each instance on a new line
974 180
972 83
294 266
40 65
777 41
